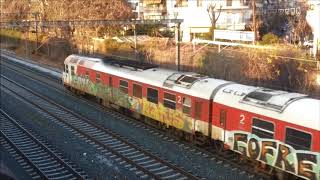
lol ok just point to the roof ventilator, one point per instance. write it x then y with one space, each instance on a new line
130 64
185 80
271 99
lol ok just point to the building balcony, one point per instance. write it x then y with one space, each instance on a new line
155 9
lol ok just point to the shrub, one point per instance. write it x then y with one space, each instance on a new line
270 39
111 45
11 33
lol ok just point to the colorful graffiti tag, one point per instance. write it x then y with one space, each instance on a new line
305 164
157 112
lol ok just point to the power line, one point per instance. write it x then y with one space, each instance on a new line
86 23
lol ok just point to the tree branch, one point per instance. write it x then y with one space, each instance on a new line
218 14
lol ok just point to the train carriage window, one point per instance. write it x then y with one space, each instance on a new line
186 105
262 129
298 139
98 78
198 110
87 75
124 86
72 70
137 91
152 95
66 68
169 100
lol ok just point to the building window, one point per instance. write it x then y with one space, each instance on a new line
87 75
198 110
152 95
98 78
181 3
262 129
137 91
186 105
229 2
124 86
169 100
199 3
72 70
298 140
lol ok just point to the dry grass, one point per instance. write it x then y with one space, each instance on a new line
260 67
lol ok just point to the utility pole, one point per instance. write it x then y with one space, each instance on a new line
135 42
37 37
26 41
177 34
254 20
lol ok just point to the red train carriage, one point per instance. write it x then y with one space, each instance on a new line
166 96
278 128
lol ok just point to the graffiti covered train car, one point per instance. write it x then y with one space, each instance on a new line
277 128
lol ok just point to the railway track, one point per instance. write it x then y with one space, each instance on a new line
227 159
37 157
126 153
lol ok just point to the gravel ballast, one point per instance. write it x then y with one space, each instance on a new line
83 154
176 153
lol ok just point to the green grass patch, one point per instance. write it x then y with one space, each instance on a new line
9 33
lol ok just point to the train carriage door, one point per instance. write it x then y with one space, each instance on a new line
72 70
72 74
110 86
223 122
66 74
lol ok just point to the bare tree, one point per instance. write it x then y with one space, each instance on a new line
211 9
256 24
298 24
15 10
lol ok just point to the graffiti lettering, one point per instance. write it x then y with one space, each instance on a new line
276 153
240 142
253 148
306 164
284 161
268 151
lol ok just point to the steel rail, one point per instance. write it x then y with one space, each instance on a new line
13 134
182 174
224 157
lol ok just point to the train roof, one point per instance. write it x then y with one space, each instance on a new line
182 82
294 108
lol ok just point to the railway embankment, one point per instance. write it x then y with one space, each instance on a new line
283 67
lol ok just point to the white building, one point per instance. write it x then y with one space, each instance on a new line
234 15
313 19
149 9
